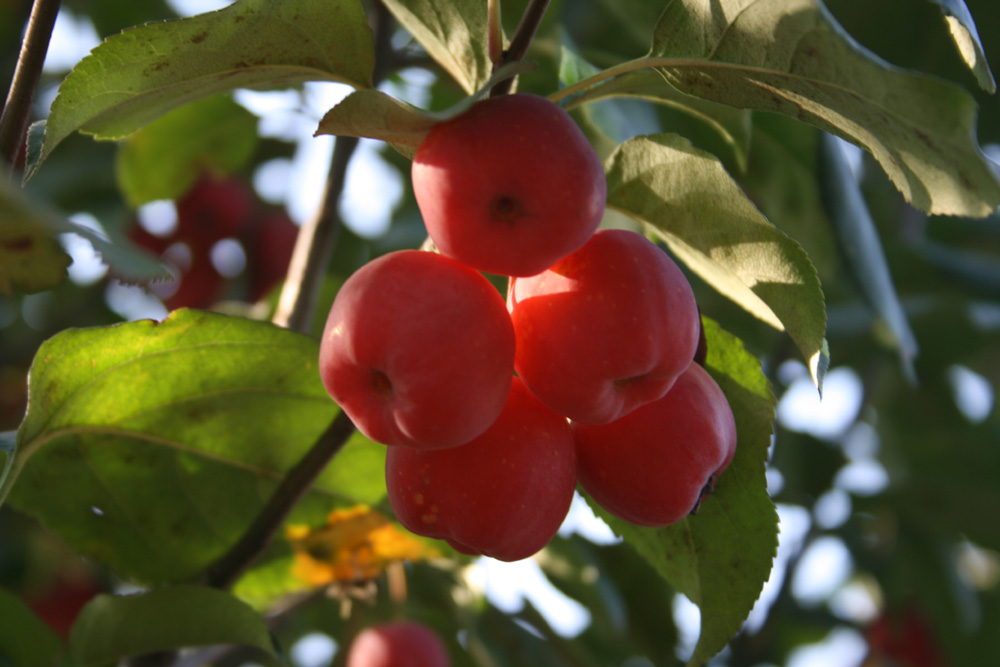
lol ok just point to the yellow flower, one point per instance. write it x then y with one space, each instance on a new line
355 544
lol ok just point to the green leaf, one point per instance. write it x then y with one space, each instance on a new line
721 557
140 74
32 259
573 67
687 199
600 124
966 38
374 115
163 159
151 446
113 627
790 56
8 445
453 33
613 29
861 247
732 125
782 177
25 640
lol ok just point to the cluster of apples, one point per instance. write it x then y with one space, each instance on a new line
600 327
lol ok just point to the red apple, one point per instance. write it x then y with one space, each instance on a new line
504 494
653 466
606 329
400 644
418 349
510 186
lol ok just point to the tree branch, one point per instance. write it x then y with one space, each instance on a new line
17 108
523 34
314 246
317 238
224 572
296 308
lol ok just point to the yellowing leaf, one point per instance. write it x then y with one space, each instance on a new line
356 544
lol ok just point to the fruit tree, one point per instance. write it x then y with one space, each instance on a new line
469 332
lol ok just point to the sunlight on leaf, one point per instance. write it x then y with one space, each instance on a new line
453 33
374 115
792 57
966 38
686 197
151 446
138 75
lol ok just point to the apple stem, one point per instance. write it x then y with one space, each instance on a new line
520 41
17 109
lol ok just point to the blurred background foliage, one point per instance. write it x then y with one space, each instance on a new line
888 491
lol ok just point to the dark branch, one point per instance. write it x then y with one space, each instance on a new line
224 572
17 108
523 34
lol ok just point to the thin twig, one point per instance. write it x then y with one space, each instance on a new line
17 108
519 43
224 572
316 240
